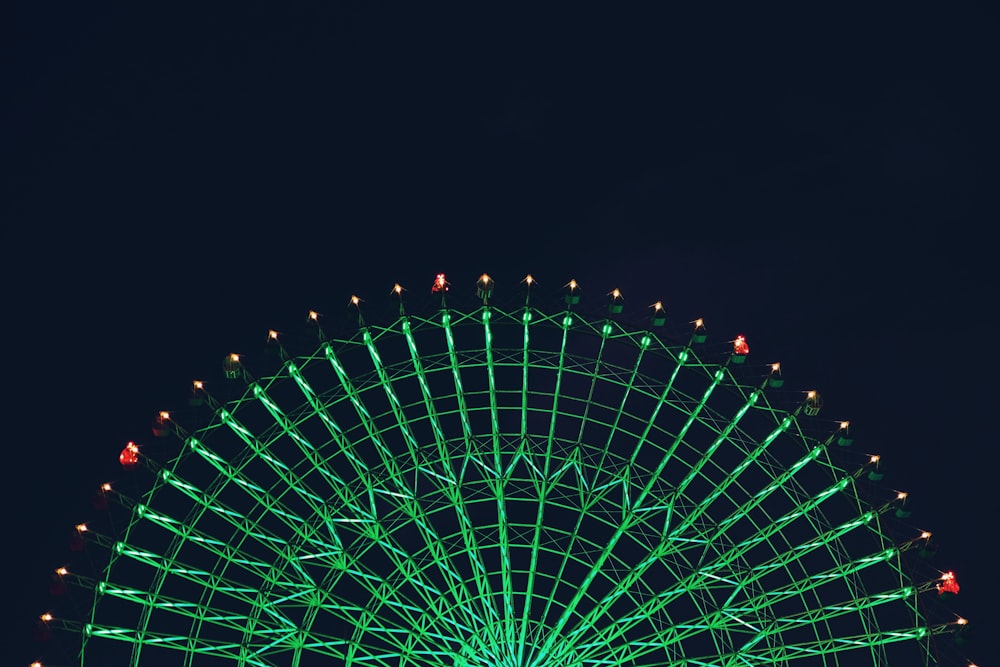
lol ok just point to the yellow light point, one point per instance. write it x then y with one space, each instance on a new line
925 535
235 358
961 621
844 425
616 293
35 664
313 315
485 278
658 306
699 323
272 334
875 458
397 289
775 367
901 495
529 279
61 571
811 394
46 617
198 384
132 447
355 299
164 415
81 528
105 487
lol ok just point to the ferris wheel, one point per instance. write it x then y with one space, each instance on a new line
505 486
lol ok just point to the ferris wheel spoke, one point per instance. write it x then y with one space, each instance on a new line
751 622
664 545
344 445
228 553
593 493
688 520
450 489
503 522
545 484
260 595
775 653
393 647
799 551
229 550
606 450
357 516
680 360
589 496
522 443
770 598
375 640
630 519
472 549
358 512
810 620
760 496
225 620
315 502
389 613
200 646
342 561
430 594
810 650
775 526
402 560
446 480
709 574
240 592
811 582
406 500
419 611
263 499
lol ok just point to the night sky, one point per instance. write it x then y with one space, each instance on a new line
181 179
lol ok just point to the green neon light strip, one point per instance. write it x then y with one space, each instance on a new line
503 523
472 549
637 505
545 486
730 617
401 605
430 597
590 495
403 498
703 577
665 545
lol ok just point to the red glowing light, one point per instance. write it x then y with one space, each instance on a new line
440 283
740 346
948 584
129 458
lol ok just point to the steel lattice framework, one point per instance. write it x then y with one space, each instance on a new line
507 489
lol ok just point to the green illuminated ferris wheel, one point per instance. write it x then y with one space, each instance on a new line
499 486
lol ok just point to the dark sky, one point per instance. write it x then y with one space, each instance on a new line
180 179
